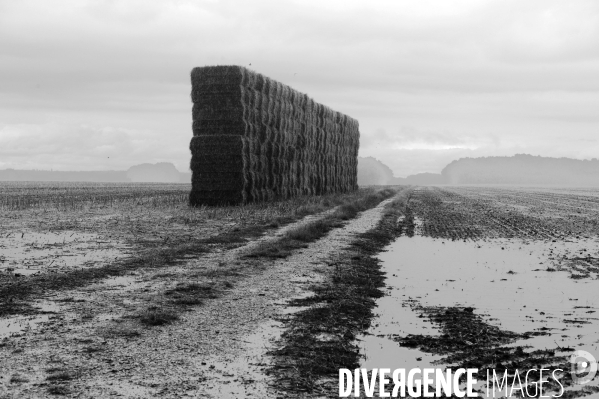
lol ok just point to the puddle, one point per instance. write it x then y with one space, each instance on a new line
119 281
12 326
15 325
27 253
243 376
126 283
22 272
507 282
47 306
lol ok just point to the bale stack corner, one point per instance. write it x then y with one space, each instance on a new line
255 139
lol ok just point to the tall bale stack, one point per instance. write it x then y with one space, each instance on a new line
255 139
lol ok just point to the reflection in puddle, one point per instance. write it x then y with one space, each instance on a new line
508 282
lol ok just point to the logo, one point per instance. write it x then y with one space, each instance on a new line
583 367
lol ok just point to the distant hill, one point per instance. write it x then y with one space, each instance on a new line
523 169
160 173
372 172
518 169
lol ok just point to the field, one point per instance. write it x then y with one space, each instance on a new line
124 290
493 278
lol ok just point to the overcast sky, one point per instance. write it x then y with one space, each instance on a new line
103 85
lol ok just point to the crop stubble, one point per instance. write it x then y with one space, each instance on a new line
559 227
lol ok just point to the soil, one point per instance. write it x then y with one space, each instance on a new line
491 278
198 326
487 277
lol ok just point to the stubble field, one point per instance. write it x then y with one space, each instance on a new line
123 289
493 278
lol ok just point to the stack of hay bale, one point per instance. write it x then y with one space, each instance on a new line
255 139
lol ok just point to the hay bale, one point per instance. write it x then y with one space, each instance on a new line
256 139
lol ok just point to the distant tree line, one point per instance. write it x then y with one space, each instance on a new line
372 172
163 172
523 169
519 169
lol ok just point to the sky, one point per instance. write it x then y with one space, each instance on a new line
104 85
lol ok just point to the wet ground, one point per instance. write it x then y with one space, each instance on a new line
25 253
201 322
491 278
462 291
28 253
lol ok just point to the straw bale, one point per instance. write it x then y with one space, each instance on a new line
267 89
220 144
256 139
285 91
218 180
219 197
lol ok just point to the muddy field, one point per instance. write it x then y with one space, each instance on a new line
491 278
127 292
124 290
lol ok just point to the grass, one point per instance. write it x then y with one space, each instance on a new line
22 289
18 379
310 232
187 294
58 390
188 301
293 240
61 376
191 294
158 317
341 307
185 227
119 329
93 349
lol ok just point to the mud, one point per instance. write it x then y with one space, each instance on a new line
25 253
480 277
320 337
197 320
496 286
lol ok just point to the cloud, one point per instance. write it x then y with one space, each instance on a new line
409 138
419 75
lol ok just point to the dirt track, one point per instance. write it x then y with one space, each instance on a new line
90 345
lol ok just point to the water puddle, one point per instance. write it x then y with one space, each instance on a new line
119 281
545 287
17 325
242 373
28 253
243 376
